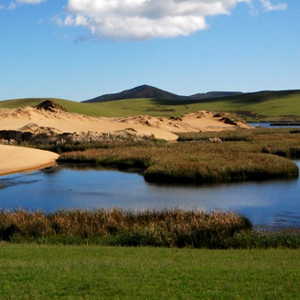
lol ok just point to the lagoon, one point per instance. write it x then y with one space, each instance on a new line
270 203
268 125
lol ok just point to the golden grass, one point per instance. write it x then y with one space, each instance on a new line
164 228
169 228
257 156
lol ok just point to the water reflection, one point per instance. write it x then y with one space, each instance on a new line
268 125
275 203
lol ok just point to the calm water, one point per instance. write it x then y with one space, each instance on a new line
268 125
273 203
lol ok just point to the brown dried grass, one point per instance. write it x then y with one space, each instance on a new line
169 228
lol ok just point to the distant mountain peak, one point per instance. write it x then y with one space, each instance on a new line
147 91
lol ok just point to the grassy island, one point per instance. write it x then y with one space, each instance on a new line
209 157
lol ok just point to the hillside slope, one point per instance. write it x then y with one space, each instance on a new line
259 106
70 106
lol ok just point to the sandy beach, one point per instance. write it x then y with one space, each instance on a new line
20 159
17 159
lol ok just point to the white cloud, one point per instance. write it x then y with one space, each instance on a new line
268 6
144 19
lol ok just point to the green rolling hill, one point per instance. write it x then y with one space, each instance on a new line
259 106
70 106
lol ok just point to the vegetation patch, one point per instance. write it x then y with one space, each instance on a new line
166 228
257 154
81 272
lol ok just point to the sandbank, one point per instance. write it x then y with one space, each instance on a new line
15 159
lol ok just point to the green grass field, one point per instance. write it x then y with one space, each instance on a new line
70 106
256 106
263 106
88 272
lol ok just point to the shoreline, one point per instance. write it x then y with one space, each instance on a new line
15 159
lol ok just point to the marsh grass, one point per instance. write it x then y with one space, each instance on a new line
173 228
280 141
166 228
243 155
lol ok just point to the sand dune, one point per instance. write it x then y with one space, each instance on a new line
162 128
16 159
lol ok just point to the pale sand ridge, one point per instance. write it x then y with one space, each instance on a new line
161 128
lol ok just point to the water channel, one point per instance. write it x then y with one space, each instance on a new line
268 125
271 203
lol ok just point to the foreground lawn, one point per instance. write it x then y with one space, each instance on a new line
85 272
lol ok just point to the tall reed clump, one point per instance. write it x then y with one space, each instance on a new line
165 228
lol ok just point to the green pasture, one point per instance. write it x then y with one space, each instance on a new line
70 106
251 106
260 106
88 272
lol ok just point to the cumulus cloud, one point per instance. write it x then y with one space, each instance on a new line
144 19
268 6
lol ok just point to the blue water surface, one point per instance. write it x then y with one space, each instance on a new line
272 203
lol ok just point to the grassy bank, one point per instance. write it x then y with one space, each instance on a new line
166 228
238 156
72 272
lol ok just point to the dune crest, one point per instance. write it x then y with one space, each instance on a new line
159 127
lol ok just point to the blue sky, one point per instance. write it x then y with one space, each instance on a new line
80 49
